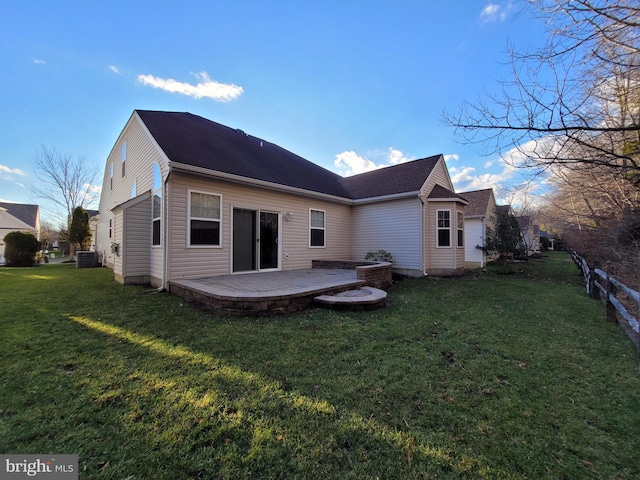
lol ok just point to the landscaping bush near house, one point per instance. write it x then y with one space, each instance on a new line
379 256
20 249
479 377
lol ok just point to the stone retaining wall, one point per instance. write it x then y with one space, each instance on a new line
374 274
251 306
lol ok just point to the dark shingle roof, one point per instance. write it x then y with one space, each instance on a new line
405 177
192 140
23 212
439 191
503 208
524 222
478 202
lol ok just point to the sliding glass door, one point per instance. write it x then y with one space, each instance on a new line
255 240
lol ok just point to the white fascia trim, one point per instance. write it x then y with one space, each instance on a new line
386 198
133 201
258 183
459 200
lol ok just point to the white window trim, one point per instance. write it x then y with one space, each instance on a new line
158 218
189 218
153 193
324 229
459 228
438 228
123 158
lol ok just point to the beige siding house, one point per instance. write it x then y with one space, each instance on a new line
184 197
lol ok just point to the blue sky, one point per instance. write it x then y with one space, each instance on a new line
349 85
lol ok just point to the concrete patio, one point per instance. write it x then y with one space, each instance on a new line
268 293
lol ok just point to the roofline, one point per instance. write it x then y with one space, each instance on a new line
451 199
385 198
132 201
230 177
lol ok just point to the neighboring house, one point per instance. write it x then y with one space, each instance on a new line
185 197
94 220
530 234
478 215
18 217
547 235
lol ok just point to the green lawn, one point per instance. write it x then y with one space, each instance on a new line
486 376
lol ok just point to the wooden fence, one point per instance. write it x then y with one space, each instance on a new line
603 286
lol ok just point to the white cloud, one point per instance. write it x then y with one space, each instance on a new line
39 61
7 173
451 157
465 180
114 69
205 88
509 167
350 163
396 156
92 189
492 12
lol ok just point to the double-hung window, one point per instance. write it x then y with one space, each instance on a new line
156 219
204 219
460 229
444 228
316 228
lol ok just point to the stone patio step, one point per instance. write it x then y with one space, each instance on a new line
364 297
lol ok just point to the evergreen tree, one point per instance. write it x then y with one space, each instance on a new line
505 240
79 231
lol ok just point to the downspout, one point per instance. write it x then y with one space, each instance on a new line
423 242
454 237
165 235
484 242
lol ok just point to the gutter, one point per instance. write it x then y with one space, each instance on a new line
384 198
229 177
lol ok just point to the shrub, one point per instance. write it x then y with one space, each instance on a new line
20 249
379 256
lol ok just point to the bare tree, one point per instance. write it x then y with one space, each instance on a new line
66 181
576 100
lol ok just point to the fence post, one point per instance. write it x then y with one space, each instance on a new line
638 318
594 292
611 290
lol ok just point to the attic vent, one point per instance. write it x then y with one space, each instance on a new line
241 132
